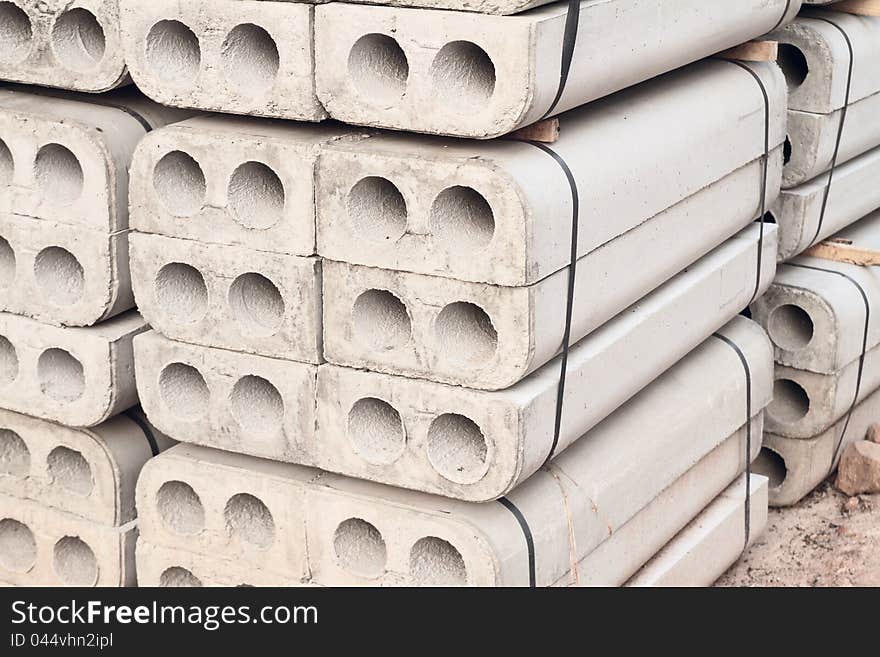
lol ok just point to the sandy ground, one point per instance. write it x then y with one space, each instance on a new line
823 541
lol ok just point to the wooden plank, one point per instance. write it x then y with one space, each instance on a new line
546 131
858 7
753 51
844 251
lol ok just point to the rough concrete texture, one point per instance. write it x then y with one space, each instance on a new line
815 318
853 195
812 138
259 194
359 532
90 473
796 466
70 44
40 546
712 542
225 399
815 58
170 567
859 469
476 445
500 211
229 296
236 56
74 376
460 74
490 337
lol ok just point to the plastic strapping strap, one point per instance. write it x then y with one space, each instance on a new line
135 115
146 428
861 369
843 113
527 533
569 41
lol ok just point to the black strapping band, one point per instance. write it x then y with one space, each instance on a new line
146 428
135 115
782 18
861 370
748 373
527 533
569 41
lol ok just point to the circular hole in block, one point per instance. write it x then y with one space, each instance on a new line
7 263
466 334
59 275
181 293
377 209
256 196
771 464
183 391
793 63
463 76
172 53
8 362
15 457
180 508
248 519
378 68
70 470
61 375
15 34
457 448
790 327
177 577
376 431
435 562
461 215
7 164
78 40
58 173
74 562
791 402
256 305
380 320
250 59
257 406
360 548
179 183
18 548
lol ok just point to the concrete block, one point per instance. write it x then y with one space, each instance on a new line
815 58
260 194
500 211
225 399
74 376
476 445
235 56
40 546
228 296
853 195
62 43
816 319
712 543
490 337
796 466
89 473
461 74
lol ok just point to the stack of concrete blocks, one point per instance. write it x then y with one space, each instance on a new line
71 443
822 318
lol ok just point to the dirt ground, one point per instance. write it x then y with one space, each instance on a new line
819 542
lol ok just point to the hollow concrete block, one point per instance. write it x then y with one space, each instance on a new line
74 376
490 337
500 211
230 400
234 56
40 546
461 74
89 473
712 543
259 194
228 296
62 43
853 195
476 445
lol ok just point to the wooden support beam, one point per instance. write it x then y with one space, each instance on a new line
857 7
844 251
753 51
546 131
